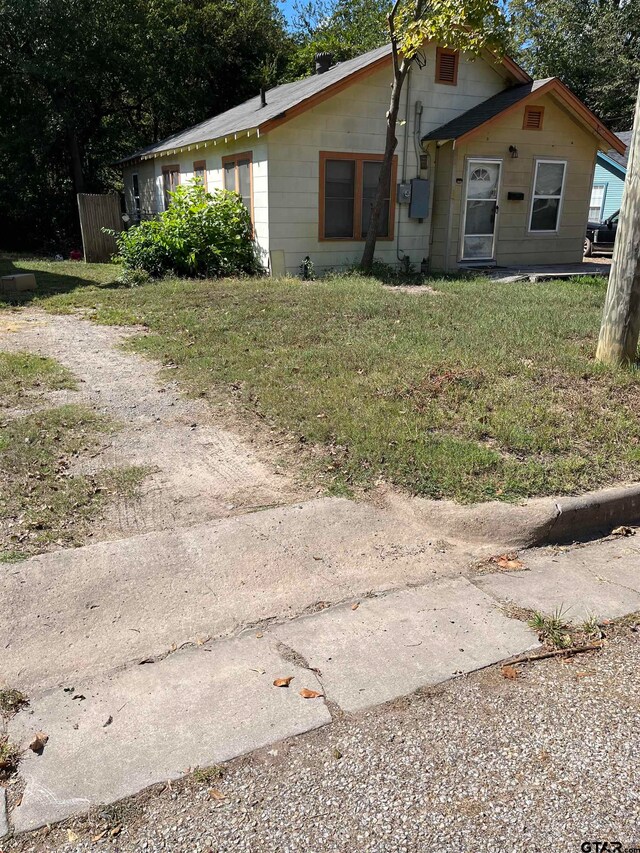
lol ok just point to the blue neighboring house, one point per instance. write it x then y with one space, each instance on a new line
608 181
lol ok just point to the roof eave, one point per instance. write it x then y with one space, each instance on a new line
557 87
511 65
619 167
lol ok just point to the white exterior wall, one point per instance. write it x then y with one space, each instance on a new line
151 180
354 121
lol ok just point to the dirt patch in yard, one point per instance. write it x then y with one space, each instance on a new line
196 470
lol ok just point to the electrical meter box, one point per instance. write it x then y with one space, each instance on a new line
404 193
419 204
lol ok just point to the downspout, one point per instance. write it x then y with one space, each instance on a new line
454 157
417 134
405 154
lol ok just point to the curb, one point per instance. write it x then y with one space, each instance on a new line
591 514
536 522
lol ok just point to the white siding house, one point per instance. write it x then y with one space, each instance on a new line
471 136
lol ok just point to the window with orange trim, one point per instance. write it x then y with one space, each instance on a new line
170 182
348 184
200 171
447 66
237 171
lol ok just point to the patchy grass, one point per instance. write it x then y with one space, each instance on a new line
11 701
482 391
24 375
207 775
9 757
41 503
57 276
552 628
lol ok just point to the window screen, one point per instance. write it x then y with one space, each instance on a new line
370 178
200 171
339 195
238 177
547 195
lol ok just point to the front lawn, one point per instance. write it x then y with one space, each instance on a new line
482 391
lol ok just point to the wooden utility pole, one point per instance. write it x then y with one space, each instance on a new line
618 343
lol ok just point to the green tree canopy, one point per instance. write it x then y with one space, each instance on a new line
592 45
344 28
84 82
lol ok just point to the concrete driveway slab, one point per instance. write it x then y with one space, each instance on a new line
391 646
113 736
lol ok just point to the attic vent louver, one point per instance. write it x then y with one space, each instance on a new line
323 62
533 118
447 66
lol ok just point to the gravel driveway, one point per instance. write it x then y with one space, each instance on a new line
544 762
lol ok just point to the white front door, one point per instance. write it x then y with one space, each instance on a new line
481 210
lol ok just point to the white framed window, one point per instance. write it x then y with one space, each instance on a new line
548 189
596 205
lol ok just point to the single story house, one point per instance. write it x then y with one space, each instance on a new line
608 180
491 167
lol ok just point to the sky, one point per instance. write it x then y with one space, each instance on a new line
287 8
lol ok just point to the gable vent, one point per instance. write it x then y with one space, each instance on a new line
533 118
447 66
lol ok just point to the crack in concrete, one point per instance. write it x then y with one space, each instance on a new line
294 657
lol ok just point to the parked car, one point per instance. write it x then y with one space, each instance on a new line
601 236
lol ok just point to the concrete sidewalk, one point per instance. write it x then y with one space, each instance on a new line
112 734
77 613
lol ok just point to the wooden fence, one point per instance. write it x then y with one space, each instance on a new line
98 212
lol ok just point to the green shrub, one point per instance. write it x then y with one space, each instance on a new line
201 234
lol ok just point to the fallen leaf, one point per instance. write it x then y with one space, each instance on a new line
259 635
355 605
509 671
115 831
623 530
99 836
38 742
508 562
71 835
283 682
309 694
215 794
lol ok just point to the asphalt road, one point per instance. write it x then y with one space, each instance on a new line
546 761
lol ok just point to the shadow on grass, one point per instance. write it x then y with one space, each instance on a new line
55 277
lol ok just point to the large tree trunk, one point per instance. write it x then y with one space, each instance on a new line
385 172
618 343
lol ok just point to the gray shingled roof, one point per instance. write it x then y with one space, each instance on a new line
485 111
250 114
622 159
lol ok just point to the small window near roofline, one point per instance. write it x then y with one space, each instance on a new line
447 66
533 117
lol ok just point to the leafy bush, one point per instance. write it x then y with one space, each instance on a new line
201 234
